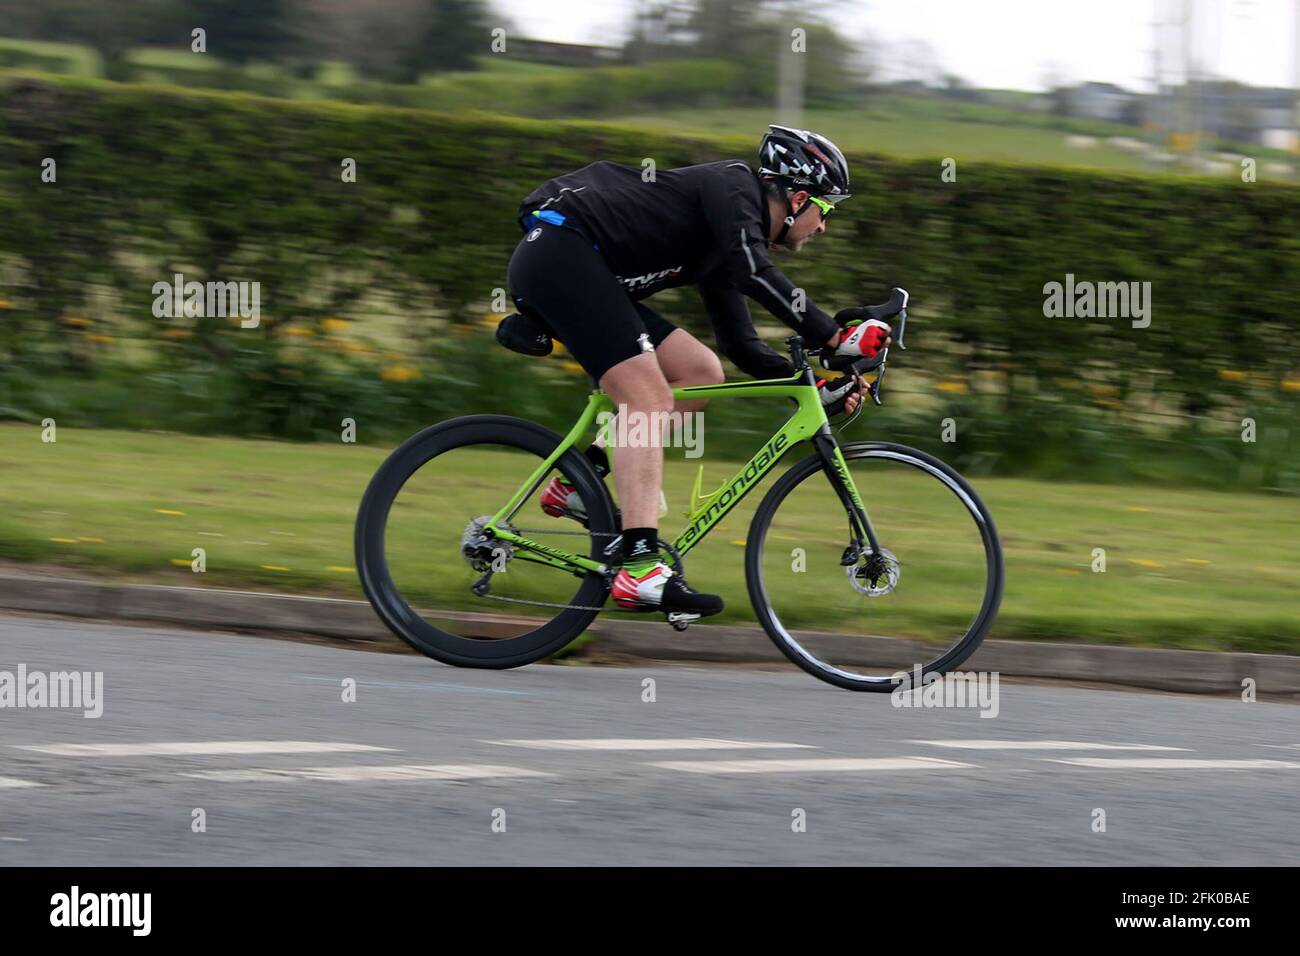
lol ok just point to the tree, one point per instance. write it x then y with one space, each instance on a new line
750 34
455 32
243 30
397 40
110 29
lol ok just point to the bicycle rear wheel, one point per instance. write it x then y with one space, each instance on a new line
420 547
924 603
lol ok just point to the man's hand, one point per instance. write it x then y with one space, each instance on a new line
863 339
854 398
854 343
843 394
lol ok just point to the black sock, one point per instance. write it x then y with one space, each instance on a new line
599 460
640 549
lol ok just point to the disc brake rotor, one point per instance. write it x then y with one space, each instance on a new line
876 574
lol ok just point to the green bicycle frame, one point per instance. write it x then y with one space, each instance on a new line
808 422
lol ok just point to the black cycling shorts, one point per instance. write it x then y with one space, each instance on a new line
557 275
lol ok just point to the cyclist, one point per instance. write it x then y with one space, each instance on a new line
600 240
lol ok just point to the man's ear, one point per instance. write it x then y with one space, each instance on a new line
797 199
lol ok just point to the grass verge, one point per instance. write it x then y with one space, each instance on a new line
1184 568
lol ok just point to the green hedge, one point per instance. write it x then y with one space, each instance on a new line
578 91
153 181
48 57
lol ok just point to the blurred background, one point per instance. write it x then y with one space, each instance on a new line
995 147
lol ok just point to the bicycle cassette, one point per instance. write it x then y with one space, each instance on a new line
483 551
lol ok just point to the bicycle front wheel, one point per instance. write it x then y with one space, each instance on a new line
922 605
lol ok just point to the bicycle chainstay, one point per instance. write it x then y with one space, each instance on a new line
672 552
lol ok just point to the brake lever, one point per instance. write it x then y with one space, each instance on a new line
874 388
880 372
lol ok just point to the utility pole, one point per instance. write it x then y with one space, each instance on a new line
1190 95
1295 79
1155 117
790 72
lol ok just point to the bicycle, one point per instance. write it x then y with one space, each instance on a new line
936 602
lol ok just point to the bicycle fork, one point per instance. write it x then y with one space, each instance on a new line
837 470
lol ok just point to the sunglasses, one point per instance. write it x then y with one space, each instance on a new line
822 204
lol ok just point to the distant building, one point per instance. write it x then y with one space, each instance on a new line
912 87
1101 101
564 54
1233 111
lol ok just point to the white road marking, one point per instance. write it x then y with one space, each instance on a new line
199 748
621 743
367 773
1173 763
1039 745
812 765
7 783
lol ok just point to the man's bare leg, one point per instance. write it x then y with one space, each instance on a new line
637 386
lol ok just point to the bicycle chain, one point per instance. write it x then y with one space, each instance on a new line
567 607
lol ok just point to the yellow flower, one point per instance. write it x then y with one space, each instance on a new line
952 386
296 330
99 339
1232 376
74 320
333 325
399 373
356 347
6 304
1291 384
569 366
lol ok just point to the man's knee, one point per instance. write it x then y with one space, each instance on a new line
708 371
638 384
688 361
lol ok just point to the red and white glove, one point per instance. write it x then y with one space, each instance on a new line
863 339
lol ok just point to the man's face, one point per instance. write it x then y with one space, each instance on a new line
811 223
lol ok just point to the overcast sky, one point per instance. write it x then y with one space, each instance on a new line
1014 43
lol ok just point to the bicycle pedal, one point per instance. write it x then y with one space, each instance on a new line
680 620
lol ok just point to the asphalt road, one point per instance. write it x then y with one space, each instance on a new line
571 765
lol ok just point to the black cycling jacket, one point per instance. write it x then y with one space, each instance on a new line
704 225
